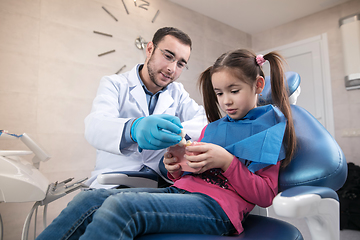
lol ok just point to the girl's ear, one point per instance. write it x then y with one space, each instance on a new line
260 84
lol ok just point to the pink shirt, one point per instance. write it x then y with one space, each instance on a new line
245 189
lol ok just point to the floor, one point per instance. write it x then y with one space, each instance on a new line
349 235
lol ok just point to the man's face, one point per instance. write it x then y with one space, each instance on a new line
166 62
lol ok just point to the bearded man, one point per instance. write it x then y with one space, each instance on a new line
136 115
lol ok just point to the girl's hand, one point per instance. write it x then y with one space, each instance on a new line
207 156
172 165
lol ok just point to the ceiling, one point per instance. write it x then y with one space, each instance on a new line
253 16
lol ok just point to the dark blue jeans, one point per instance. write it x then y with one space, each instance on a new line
127 213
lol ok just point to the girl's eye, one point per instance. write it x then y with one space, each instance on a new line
218 94
234 91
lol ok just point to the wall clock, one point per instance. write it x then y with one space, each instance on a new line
142 4
140 43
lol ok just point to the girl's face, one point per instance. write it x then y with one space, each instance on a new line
235 97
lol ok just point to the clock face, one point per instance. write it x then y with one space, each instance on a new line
140 43
141 4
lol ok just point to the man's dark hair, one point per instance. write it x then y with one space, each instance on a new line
162 32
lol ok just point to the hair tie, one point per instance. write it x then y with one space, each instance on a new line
260 60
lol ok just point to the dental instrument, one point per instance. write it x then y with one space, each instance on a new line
21 180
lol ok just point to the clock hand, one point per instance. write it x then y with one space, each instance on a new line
109 13
120 69
125 7
102 54
101 33
157 13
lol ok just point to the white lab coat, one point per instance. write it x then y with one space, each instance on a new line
120 98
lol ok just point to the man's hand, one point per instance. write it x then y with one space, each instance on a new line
156 131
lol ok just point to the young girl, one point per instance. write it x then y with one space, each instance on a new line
237 165
241 152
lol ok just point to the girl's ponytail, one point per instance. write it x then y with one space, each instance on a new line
210 100
280 99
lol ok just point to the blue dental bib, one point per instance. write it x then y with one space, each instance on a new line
256 140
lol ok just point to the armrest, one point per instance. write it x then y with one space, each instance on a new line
318 205
131 179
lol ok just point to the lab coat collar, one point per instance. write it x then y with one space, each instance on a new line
164 102
136 90
134 77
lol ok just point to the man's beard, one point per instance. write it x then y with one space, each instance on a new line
152 74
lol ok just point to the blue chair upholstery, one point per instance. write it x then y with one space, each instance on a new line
319 161
256 227
292 81
318 169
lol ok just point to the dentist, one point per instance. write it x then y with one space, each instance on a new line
136 115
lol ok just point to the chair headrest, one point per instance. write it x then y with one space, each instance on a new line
318 161
293 82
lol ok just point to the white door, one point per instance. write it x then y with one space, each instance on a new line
310 59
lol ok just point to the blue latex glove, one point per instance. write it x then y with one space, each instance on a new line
156 131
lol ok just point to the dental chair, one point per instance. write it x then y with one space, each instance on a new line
21 181
306 186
